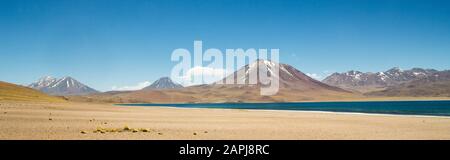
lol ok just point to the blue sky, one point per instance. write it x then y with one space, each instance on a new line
106 43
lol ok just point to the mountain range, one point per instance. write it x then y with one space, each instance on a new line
368 82
294 85
394 82
434 85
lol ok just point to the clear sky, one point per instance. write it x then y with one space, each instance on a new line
106 43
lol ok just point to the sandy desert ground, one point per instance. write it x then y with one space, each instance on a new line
24 120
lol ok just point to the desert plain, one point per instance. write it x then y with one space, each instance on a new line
74 120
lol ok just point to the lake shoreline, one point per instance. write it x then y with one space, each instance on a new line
304 111
438 108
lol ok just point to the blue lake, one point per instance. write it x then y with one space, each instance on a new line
434 108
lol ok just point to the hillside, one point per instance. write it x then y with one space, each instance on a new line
12 92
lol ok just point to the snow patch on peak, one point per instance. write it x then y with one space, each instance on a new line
269 63
286 71
382 76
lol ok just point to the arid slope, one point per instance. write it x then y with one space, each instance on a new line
12 92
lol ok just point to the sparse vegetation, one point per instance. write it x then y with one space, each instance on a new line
119 130
126 128
144 130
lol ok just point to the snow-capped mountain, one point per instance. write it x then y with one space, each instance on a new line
434 85
63 86
356 80
288 76
163 83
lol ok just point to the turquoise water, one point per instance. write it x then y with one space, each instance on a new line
434 108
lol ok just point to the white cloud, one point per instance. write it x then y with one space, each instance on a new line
320 76
201 75
314 75
133 87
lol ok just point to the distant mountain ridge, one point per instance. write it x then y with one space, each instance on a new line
163 83
435 85
63 86
367 82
